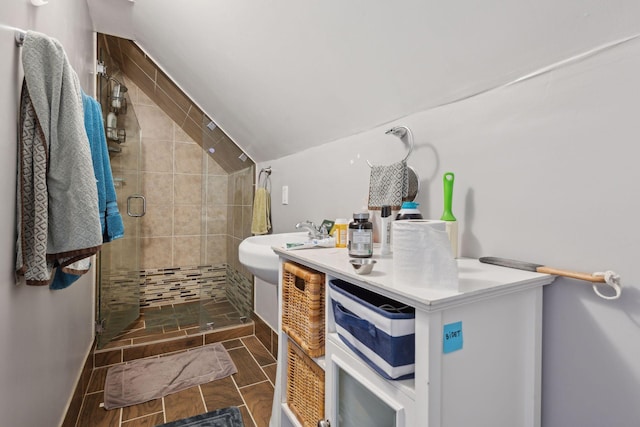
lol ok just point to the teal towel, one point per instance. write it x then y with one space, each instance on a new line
62 280
110 218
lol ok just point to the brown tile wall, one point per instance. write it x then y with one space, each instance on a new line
183 188
173 101
199 193
179 173
239 213
164 286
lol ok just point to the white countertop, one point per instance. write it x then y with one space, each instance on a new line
476 280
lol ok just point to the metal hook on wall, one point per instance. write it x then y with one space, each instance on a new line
20 35
401 132
267 172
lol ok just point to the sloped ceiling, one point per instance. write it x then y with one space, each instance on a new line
283 76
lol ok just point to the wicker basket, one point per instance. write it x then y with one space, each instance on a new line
305 387
303 307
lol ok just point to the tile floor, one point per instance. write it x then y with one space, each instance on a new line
156 334
177 320
251 389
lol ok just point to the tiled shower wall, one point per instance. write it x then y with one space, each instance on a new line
197 214
182 235
240 215
178 228
162 286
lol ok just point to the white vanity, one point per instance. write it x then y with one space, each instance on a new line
477 351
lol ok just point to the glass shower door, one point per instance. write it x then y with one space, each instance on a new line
119 273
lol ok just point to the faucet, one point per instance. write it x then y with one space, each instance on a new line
314 232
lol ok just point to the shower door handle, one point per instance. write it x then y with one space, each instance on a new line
144 205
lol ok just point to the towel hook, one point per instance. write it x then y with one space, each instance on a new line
400 132
20 36
267 172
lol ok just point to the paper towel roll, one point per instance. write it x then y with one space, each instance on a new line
422 255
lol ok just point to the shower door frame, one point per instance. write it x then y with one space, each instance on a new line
118 281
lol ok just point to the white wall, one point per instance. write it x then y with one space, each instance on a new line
285 75
45 335
546 171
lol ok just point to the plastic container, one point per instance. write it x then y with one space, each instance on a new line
360 236
341 232
381 331
409 210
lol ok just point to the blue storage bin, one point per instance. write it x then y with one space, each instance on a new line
379 330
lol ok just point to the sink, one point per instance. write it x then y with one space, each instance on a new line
256 254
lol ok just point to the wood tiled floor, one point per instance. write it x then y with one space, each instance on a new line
251 389
176 320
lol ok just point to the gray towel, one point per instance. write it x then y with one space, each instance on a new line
388 185
58 221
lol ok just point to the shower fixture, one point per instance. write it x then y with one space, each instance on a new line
115 90
117 93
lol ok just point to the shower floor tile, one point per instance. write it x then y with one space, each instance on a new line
171 321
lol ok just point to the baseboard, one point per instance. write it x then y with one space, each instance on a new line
74 404
267 336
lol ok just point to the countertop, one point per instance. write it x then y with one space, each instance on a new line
476 280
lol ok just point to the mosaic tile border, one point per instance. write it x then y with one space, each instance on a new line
163 286
239 291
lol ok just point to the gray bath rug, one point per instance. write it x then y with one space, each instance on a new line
227 417
142 380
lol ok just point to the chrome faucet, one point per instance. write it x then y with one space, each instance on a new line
314 232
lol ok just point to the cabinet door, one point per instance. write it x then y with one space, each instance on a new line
357 396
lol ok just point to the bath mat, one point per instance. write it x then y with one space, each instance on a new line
227 417
142 380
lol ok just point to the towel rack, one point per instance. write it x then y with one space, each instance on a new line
400 132
267 172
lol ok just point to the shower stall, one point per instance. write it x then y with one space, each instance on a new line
173 274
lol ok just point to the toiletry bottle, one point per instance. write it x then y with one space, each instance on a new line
115 96
409 210
341 226
360 236
385 230
112 124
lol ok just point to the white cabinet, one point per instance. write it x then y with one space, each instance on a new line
477 351
355 397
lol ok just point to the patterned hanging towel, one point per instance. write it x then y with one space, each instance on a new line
57 221
388 185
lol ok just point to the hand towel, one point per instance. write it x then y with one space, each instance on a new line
261 223
58 222
388 185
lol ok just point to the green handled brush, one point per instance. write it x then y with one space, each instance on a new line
447 215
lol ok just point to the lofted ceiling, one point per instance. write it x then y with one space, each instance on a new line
283 76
